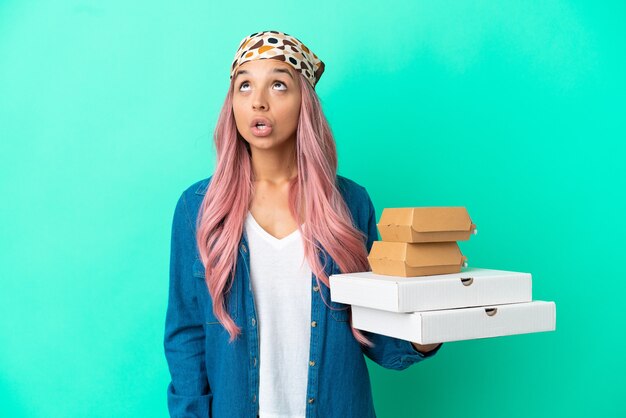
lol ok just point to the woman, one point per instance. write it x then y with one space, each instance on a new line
250 328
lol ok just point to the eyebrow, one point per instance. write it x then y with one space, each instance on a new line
275 70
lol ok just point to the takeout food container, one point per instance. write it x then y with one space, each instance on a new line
426 224
458 324
470 287
415 259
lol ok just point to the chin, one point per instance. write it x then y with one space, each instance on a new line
262 142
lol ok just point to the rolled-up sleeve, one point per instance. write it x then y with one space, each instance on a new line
389 352
188 393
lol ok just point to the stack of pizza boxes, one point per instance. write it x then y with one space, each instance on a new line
420 288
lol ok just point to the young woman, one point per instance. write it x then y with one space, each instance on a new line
250 328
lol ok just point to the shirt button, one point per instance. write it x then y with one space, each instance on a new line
253 321
313 324
316 288
255 362
311 363
243 247
311 400
253 398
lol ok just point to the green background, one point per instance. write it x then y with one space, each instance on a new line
513 109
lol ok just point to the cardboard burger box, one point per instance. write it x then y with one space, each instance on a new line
415 259
425 224
420 241
458 324
472 287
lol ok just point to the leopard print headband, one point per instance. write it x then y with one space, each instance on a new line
282 47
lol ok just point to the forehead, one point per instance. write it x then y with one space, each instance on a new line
264 66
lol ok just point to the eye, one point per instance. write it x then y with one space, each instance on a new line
282 84
245 83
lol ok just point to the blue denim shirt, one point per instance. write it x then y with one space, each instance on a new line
212 378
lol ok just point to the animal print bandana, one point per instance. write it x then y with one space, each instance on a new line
282 47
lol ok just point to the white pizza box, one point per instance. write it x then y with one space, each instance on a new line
458 324
470 287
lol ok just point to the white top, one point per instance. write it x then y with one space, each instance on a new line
281 283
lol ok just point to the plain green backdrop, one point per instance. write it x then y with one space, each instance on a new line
514 109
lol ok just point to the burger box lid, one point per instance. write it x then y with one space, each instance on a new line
415 259
458 324
470 287
426 224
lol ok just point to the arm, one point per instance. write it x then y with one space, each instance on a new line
188 393
390 352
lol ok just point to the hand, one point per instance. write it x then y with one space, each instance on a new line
425 348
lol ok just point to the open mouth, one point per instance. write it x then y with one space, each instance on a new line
261 127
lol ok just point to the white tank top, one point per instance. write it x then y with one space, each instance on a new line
281 283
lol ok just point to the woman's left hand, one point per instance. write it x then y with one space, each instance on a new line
425 348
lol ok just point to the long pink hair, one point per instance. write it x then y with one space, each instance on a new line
327 218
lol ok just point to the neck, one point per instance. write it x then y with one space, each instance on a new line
276 165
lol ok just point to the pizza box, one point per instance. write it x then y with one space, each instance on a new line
458 324
470 287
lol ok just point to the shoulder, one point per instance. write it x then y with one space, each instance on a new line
191 198
347 184
350 188
197 188
357 199
353 192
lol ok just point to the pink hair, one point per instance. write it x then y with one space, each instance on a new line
222 213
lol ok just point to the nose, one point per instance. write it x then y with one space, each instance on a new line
259 102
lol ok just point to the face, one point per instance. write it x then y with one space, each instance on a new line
267 89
